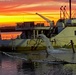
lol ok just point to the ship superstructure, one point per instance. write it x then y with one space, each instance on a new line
31 30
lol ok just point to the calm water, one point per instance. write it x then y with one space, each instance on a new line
17 66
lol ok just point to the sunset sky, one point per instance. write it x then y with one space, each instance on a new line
12 11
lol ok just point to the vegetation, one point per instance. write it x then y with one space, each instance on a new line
21 49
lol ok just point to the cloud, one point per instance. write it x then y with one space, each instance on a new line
16 4
33 5
41 4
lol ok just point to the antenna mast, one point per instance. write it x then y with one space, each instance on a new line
70 9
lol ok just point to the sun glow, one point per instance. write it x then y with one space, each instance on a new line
9 35
14 11
26 17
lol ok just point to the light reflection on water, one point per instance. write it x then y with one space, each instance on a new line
12 66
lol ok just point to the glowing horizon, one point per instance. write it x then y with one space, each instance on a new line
13 11
27 17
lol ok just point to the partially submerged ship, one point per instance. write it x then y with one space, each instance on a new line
60 34
28 39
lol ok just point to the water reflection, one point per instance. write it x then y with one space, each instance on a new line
26 67
12 66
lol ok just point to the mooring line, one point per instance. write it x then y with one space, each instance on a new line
13 56
39 61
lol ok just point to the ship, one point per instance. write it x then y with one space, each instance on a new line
27 40
60 34
66 32
66 28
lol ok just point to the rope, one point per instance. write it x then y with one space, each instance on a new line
67 44
13 56
55 61
40 61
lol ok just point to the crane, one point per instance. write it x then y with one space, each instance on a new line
52 29
49 21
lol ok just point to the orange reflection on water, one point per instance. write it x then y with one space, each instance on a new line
9 35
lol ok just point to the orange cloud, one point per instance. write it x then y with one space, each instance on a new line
24 10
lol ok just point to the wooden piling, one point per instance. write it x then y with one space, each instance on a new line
72 44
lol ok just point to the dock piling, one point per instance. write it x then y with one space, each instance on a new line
72 44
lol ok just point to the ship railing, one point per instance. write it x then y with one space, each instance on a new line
31 28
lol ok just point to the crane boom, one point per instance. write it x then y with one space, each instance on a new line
44 17
49 21
52 29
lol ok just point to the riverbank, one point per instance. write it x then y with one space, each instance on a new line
30 48
21 49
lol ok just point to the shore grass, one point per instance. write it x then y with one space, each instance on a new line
29 48
21 49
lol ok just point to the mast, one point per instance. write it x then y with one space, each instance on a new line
70 9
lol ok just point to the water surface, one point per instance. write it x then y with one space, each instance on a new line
17 66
